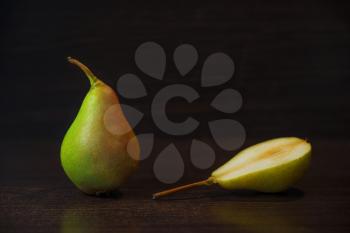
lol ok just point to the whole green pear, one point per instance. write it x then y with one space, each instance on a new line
94 153
270 166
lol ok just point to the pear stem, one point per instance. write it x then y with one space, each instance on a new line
206 182
85 69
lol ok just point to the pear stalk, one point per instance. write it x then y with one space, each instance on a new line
92 78
206 182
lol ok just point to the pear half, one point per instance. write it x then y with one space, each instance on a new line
270 166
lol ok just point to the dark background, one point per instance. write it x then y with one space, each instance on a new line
292 69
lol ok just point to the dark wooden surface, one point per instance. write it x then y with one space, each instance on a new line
292 67
36 197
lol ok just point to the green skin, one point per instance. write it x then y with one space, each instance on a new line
94 159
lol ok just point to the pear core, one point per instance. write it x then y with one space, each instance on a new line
264 155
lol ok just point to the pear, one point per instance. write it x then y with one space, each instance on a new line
270 166
94 152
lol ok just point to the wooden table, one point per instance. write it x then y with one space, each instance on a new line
37 197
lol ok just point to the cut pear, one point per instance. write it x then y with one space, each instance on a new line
270 166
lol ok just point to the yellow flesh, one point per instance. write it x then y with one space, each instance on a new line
262 156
